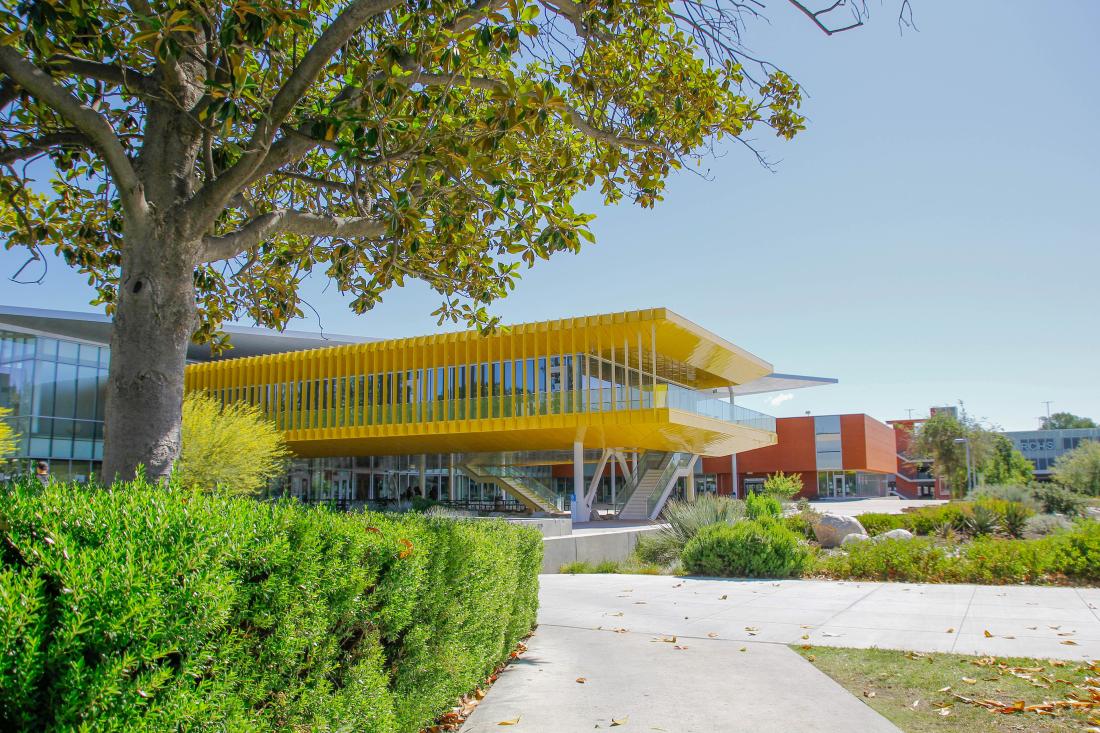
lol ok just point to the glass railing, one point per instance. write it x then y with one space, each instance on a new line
523 405
679 462
681 398
648 462
524 481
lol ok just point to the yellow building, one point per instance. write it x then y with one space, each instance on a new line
536 410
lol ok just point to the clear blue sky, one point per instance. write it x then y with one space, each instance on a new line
932 237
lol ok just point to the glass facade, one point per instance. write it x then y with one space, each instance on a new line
827 442
1044 447
55 389
840 484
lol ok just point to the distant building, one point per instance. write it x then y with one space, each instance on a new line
837 456
1044 447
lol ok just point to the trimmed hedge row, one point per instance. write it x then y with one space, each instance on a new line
143 608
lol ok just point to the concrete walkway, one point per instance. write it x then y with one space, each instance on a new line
876 504
735 671
1024 621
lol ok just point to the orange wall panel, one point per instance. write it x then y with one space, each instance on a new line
794 450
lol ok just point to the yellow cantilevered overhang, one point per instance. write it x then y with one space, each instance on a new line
533 386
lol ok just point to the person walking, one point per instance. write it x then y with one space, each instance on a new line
42 472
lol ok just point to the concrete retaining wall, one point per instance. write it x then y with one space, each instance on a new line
593 547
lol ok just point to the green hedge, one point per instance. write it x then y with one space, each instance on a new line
1069 556
141 608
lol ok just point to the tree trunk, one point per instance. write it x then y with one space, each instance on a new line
154 319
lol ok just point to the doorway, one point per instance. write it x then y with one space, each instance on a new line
838 485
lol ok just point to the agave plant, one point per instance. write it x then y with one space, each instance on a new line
983 521
1015 519
684 519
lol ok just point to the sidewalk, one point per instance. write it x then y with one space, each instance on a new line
1024 621
616 632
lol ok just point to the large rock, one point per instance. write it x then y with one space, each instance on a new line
831 529
896 534
853 539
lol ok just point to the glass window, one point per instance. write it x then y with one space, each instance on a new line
68 350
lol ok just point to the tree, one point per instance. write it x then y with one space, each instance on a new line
936 438
232 450
1066 420
783 486
1079 469
1005 465
8 437
205 156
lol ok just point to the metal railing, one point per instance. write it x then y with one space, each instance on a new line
679 462
523 481
689 400
523 405
647 462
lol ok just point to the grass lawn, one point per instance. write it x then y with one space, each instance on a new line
950 692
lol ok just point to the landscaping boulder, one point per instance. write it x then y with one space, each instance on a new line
854 539
831 529
896 534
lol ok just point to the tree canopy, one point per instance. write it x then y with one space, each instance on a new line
936 439
198 159
1066 420
1079 469
1005 465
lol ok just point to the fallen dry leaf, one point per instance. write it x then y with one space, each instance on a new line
805 636
681 648
868 693
513 721
987 634
944 689
582 680
950 631
712 635
945 712
1068 642
723 598
969 680
615 722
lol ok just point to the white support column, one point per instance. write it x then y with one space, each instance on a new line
689 484
451 489
576 509
614 488
594 484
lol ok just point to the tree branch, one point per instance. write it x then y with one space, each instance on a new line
287 221
68 139
131 79
815 16
211 199
84 118
573 115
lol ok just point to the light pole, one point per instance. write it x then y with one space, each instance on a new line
966 442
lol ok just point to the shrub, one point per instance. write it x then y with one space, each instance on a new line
157 609
753 549
801 525
783 486
1042 525
987 560
876 523
1057 499
422 504
685 519
231 449
914 560
1077 552
578 567
762 506
928 519
1005 492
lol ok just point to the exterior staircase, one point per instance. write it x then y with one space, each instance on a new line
646 494
534 494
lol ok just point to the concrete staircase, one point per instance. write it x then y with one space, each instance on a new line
535 495
657 474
